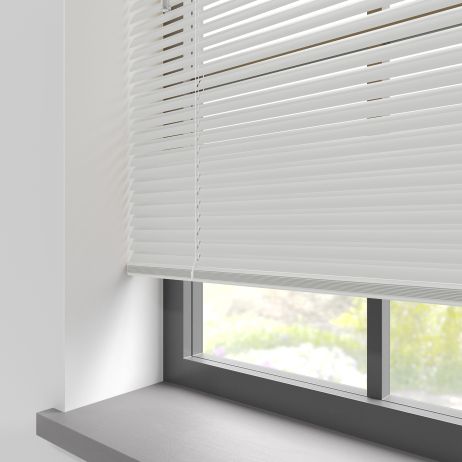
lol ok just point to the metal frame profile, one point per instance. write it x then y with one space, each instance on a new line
402 426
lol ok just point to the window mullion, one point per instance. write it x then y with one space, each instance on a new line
197 318
378 348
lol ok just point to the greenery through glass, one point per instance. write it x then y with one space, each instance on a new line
324 336
426 353
315 335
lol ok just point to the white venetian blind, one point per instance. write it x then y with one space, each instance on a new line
162 128
300 144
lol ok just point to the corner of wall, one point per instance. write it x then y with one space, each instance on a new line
113 322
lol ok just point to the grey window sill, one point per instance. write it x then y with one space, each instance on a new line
166 422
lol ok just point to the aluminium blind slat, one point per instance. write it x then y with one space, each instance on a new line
267 44
170 223
354 40
173 46
180 78
164 108
325 156
219 9
435 117
345 64
332 73
167 41
305 204
400 207
338 252
405 237
160 65
159 235
446 215
236 16
147 42
163 64
228 14
304 118
145 79
299 144
430 25
332 114
175 109
162 159
156 173
162 198
157 23
423 136
283 28
337 22
182 142
344 186
433 158
267 201
152 123
425 140
279 274
150 30
324 94
314 203
169 130
213 34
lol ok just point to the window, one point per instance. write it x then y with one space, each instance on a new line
196 315
307 144
426 353
313 335
323 338
310 145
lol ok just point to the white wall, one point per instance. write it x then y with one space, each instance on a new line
32 225
113 322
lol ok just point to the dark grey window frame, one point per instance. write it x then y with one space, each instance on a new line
424 432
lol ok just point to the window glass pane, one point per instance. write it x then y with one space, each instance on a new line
320 336
426 353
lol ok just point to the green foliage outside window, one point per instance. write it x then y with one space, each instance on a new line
426 340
